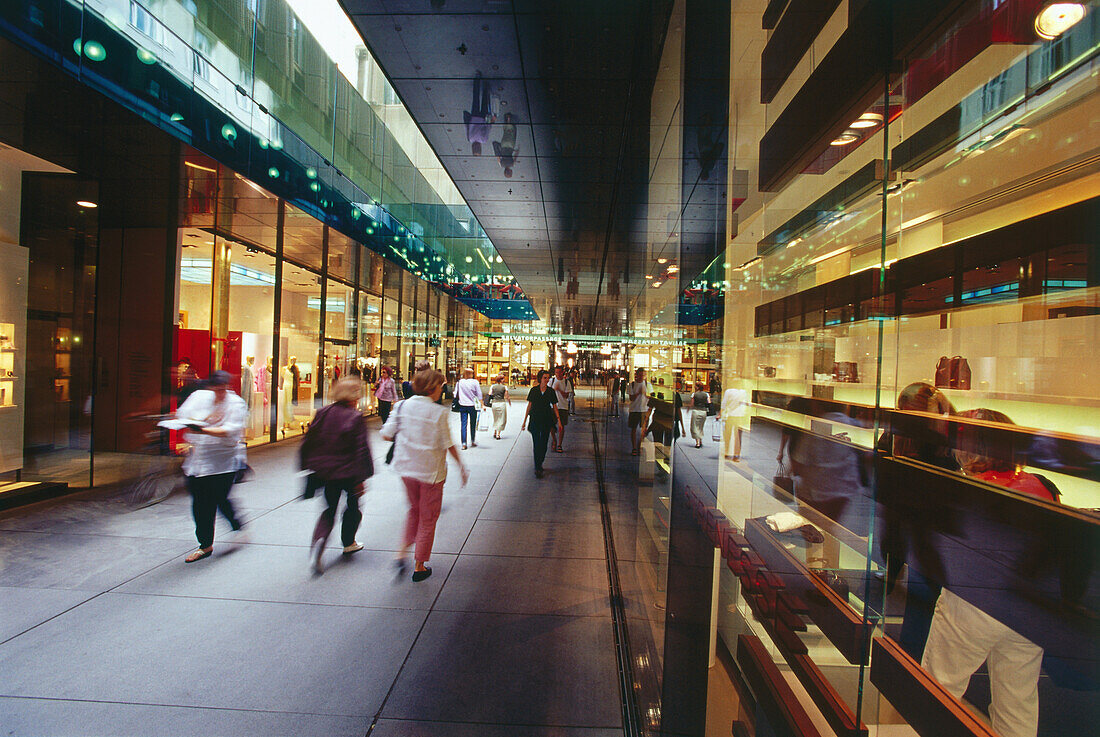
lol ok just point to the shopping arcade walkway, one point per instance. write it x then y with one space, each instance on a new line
104 629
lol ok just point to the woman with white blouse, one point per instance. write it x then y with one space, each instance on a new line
215 419
421 432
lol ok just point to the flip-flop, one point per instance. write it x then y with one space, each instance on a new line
198 555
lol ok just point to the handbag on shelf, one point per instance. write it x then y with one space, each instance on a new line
953 373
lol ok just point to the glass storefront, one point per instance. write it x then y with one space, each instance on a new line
899 443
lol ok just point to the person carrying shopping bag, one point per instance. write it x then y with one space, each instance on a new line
421 432
469 395
336 449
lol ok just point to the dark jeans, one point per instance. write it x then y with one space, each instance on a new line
352 516
208 495
539 436
384 408
469 416
480 107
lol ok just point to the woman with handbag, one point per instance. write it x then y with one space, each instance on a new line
215 418
385 392
468 395
420 459
337 451
499 400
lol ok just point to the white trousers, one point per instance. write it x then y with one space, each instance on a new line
963 637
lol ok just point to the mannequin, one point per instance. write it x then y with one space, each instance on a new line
293 366
248 388
263 384
289 381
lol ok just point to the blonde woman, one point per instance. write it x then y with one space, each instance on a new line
422 433
501 400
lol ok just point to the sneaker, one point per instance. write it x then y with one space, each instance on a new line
421 575
464 446
473 444
355 547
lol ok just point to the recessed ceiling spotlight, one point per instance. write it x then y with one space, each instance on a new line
844 139
1054 19
867 120
662 260
87 203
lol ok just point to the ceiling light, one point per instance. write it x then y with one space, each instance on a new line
662 260
845 138
649 276
657 284
863 123
1054 19
673 269
86 203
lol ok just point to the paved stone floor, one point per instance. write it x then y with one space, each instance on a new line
105 631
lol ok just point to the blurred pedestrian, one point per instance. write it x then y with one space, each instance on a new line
336 449
215 418
422 438
700 402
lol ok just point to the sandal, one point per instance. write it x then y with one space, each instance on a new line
199 555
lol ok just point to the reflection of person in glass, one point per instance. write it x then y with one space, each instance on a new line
505 149
479 118
962 636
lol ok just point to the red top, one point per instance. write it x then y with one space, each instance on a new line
1025 483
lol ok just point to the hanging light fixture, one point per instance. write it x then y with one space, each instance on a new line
867 120
1054 19
845 138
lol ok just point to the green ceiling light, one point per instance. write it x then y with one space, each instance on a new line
354 214
176 118
264 144
78 46
145 56
94 50
273 172
311 173
469 259
277 145
229 133
370 231
315 186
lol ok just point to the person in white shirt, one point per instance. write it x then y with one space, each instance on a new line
735 402
638 393
421 432
470 398
215 418
563 388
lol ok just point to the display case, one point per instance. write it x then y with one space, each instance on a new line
13 331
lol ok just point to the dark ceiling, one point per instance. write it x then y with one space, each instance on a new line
576 77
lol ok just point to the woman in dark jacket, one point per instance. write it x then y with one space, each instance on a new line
337 451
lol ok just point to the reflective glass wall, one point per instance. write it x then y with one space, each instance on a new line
882 497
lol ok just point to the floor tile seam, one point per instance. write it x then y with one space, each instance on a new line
52 617
96 596
556 725
529 557
154 704
435 600
526 613
91 534
281 602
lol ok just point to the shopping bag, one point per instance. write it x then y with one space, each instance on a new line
483 421
716 434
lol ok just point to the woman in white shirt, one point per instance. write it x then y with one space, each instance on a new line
422 439
216 418
469 396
